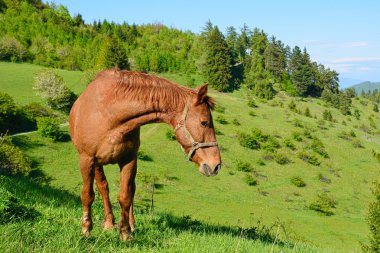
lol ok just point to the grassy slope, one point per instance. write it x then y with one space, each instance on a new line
226 199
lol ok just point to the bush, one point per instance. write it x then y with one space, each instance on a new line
357 143
281 159
222 120
307 112
218 132
357 114
309 158
170 135
12 159
318 147
289 144
375 107
327 115
11 49
297 181
270 145
250 180
292 106
219 108
324 179
51 86
248 141
258 135
373 220
49 127
235 122
8 111
323 204
297 136
244 166
141 155
252 114
251 103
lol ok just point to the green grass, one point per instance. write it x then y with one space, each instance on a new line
225 201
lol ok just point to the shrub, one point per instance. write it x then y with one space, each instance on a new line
219 108
12 159
235 122
289 144
250 180
11 49
324 179
248 141
318 147
297 136
357 114
307 112
141 155
49 127
251 103
258 135
357 143
252 113
244 166
327 115
222 120
309 158
170 135
217 131
8 111
373 220
323 204
51 86
297 181
268 156
281 159
292 106
270 145
375 107
376 155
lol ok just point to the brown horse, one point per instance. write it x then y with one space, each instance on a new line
105 128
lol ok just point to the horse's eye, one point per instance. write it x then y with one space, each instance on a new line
204 123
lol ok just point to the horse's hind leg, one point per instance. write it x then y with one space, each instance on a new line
127 186
88 195
102 184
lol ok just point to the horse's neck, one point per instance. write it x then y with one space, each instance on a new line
134 113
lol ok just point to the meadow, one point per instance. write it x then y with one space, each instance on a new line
193 213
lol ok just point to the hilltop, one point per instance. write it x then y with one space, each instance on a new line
366 86
330 154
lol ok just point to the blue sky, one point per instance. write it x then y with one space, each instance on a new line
341 34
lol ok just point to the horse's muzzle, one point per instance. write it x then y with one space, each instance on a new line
206 170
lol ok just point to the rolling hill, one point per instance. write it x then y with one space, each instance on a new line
366 86
224 213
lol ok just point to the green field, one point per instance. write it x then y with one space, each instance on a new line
198 214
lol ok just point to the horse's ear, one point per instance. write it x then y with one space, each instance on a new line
202 93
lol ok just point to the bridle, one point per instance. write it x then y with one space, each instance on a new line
194 144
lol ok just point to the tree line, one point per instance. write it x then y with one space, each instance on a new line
46 34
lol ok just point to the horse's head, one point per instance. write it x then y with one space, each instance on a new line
195 132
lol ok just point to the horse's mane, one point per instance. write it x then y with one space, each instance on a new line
162 93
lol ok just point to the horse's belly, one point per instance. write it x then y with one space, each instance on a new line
113 149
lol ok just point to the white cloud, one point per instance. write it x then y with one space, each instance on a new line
355 59
356 44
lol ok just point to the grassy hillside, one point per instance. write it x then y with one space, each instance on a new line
366 86
222 204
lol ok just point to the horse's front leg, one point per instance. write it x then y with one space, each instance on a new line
88 195
127 188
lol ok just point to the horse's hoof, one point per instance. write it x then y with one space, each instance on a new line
126 237
86 233
108 225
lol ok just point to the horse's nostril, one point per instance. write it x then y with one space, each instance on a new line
206 169
217 168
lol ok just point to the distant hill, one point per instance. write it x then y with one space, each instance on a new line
366 86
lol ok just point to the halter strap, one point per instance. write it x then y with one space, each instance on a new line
194 144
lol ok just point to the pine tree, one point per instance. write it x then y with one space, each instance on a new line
275 60
112 54
218 59
302 73
373 220
258 79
